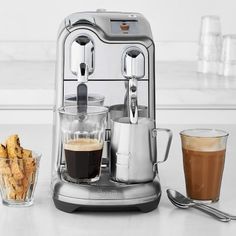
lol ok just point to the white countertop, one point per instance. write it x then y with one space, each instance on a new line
177 85
44 219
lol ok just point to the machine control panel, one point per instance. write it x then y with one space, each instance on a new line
113 24
124 27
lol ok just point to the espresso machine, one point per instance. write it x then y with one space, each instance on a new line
109 55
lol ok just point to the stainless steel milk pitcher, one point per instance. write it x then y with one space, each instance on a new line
134 150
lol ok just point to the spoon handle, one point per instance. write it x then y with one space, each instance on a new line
216 210
212 212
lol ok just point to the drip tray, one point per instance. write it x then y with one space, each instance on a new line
70 195
104 180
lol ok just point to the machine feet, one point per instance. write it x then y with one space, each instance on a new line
64 206
150 206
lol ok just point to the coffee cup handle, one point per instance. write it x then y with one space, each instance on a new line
169 132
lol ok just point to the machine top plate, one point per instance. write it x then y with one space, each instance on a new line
113 24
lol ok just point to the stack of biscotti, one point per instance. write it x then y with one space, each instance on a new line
17 169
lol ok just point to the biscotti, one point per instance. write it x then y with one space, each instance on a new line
17 168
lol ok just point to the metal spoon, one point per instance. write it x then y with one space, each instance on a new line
213 214
181 201
218 216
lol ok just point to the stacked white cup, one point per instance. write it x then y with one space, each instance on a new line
217 54
210 45
228 56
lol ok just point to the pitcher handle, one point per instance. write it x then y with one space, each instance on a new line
169 132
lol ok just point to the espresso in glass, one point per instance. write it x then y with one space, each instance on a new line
83 135
83 158
203 161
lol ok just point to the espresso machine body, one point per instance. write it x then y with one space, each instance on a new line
107 38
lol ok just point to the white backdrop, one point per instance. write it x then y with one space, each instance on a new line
171 20
28 25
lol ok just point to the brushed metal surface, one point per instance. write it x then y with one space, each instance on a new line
105 192
109 47
133 150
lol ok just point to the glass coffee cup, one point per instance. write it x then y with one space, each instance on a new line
83 136
93 99
203 160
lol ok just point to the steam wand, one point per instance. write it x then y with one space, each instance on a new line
133 69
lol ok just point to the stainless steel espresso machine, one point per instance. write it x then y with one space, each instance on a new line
112 53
